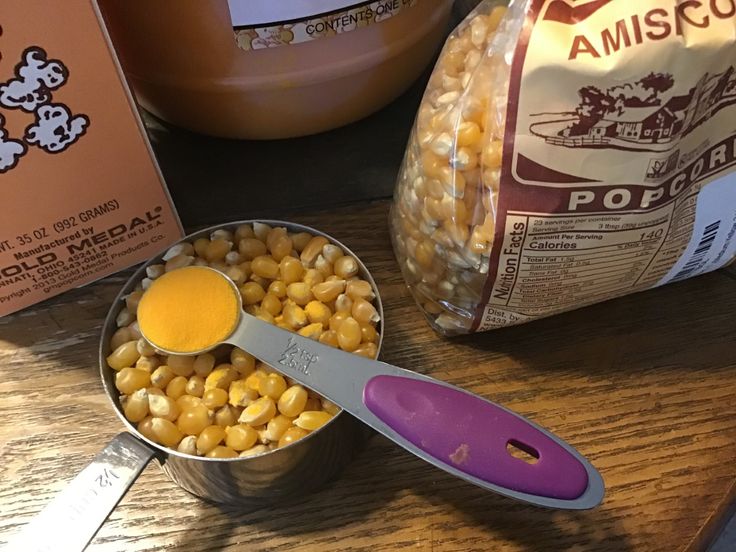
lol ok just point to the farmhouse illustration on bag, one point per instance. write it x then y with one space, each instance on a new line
633 116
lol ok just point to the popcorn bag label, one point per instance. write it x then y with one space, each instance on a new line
620 142
81 193
263 24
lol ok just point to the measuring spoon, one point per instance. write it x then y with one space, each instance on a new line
451 428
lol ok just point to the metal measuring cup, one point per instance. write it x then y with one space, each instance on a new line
73 517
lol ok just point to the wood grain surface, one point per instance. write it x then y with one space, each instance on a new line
644 386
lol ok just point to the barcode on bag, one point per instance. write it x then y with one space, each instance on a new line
696 261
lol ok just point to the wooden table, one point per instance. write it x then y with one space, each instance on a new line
644 386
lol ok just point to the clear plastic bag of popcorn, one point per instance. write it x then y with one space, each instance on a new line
568 153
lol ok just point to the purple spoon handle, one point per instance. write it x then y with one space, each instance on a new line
448 427
471 435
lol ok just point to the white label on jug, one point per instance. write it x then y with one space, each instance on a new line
263 24
247 13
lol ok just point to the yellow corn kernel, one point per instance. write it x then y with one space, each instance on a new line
292 435
265 267
259 412
145 348
203 364
136 406
312 250
129 380
329 337
337 319
221 377
346 267
166 432
125 318
312 277
331 252
277 288
241 394
200 246
368 350
300 240
243 231
217 249
177 387
180 261
332 278
236 275
121 335
210 437
132 300
294 316
291 270
227 415
254 380
312 419
149 364
162 376
256 450
240 437
124 356
329 406
195 386
276 428
343 303
145 428
348 334
368 333
155 391
468 133
242 361
250 248
328 291
359 289
318 313
280 246
491 156
193 420
272 386
323 266
181 365
299 292
262 436
215 398
185 401
311 331
265 316
164 407
252 293
292 401
364 312
424 253
261 230
188 445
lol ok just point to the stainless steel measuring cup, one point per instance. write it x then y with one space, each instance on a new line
73 517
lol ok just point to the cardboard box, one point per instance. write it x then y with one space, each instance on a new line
81 193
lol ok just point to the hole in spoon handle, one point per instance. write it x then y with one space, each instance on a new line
471 435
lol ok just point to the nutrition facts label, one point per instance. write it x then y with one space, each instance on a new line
552 263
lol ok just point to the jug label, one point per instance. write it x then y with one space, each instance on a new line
263 24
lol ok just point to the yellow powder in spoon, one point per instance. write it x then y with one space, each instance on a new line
189 309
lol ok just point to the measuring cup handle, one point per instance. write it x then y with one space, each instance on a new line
73 517
470 436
